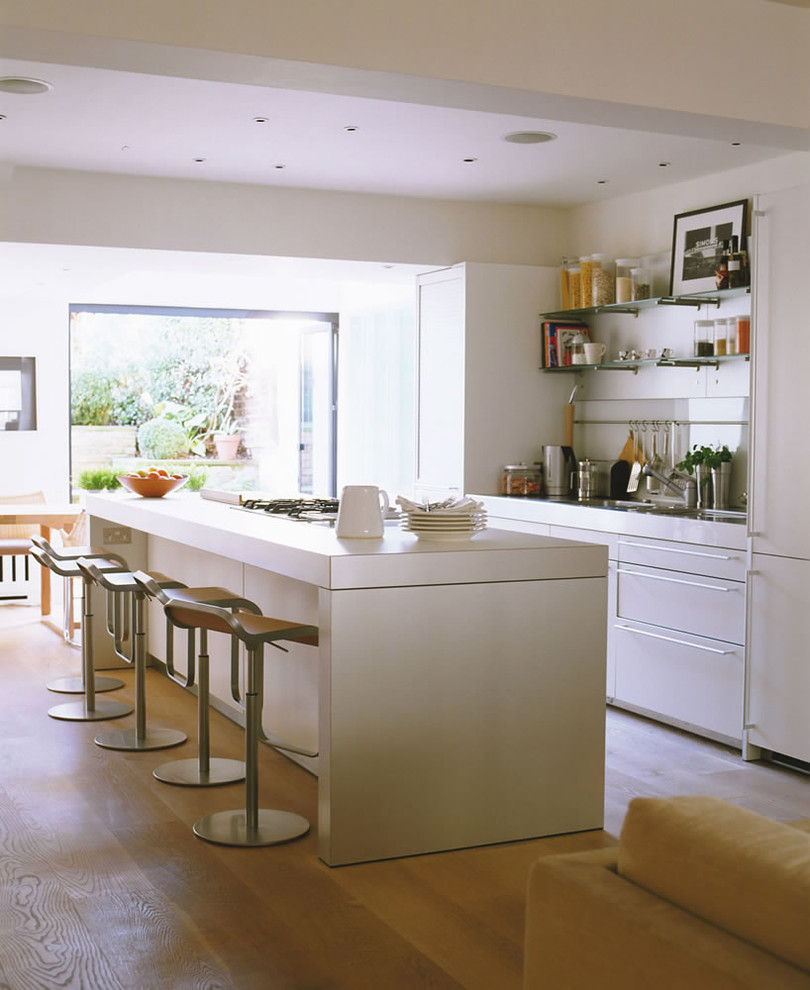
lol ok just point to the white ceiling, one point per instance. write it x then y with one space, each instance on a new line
129 122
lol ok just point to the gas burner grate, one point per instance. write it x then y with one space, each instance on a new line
293 508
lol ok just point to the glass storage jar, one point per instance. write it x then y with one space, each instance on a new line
524 480
704 338
624 287
574 285
743 334
601 280
641 283
585 281
721 329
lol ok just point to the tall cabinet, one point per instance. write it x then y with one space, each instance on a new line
777 703
481 402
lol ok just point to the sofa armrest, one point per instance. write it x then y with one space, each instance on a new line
588 927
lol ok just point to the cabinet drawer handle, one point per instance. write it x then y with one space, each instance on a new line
673 639
692 553
659 577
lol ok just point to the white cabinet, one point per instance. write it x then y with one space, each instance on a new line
778 696
778 690
679 632
481 402
780 467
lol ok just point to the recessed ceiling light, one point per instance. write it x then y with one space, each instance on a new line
351 128
602 182
278 166
736 144
260 120
2 116
23 85
529 137
198 161
664 164
469 161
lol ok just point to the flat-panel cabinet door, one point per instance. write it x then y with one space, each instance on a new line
778 703
440 368
780 482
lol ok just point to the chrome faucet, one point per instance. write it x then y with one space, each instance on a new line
684 484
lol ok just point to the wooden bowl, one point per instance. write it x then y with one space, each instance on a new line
151 487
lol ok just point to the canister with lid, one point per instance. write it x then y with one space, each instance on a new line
585 280
641 281
522 479
721 333
704 338
601 280
624 289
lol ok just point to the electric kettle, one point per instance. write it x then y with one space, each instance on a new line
559 464
361 511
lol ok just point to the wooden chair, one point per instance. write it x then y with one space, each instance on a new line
15 547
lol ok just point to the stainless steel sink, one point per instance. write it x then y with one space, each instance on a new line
663 509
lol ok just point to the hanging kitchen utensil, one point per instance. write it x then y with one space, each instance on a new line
628 452
635 470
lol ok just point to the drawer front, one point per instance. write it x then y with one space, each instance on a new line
705 606
682 677
690 557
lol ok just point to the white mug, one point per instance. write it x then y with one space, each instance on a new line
361 511
594 352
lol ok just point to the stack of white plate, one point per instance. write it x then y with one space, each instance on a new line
446 523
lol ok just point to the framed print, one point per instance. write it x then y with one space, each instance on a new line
697 243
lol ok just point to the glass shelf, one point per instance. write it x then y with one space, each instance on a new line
697 299
676 362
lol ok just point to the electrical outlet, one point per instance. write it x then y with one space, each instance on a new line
113 535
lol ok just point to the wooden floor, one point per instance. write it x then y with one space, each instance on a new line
104 886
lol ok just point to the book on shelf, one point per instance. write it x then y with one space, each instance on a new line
558 340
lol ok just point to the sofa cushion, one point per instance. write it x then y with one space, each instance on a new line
743 873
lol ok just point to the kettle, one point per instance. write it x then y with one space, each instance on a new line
361 511
559 464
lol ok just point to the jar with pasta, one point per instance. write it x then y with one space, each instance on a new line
574 285
585 281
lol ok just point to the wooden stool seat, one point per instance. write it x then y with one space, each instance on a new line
89 709
251 825
119 584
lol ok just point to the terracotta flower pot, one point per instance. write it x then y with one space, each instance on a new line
226 446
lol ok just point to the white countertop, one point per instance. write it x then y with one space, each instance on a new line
312 553
709 532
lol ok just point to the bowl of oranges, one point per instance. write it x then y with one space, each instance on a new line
152 483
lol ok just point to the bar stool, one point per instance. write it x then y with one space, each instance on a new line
122 585
205 770
89 709
251 825
74 684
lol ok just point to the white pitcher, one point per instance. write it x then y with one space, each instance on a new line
361 511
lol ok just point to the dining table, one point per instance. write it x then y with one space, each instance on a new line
47 516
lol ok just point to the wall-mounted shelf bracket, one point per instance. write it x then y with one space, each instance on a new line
616 367
697 364
695 301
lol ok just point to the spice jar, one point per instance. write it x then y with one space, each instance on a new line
522 479
704 338
743 334
641 283
721 332
601 280
624 289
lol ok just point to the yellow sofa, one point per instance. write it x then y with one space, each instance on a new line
698 895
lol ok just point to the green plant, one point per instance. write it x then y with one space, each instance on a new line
162 439
712 457
94 479
91 399
197 477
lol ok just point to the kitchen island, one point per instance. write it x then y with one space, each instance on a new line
457 695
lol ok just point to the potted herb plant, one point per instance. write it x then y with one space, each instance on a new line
711 467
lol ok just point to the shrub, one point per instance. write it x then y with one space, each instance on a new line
162 439
94 479
197 477
90 399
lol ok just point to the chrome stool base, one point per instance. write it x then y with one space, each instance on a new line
154 738
77 711
229 828
188 773
75 684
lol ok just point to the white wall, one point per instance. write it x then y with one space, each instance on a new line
53 206
37 460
